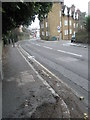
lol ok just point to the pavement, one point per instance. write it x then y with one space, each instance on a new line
32 91
25 92
1 79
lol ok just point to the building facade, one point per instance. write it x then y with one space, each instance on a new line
49 26
61 23
82 19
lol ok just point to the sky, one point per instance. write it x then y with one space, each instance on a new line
35 24
79 4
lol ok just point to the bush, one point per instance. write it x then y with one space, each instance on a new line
82 36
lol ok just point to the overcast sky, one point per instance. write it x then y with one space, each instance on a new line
79 4
35 24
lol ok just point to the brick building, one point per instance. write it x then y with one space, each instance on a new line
48 27
62 22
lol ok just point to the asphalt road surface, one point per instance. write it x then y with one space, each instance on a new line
68 61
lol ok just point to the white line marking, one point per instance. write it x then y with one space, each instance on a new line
46 84
47 47
69 53
31 57
52 73
38 45
51 41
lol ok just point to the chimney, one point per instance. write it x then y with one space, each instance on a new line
73 8
78 11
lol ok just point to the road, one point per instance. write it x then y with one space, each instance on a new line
66 60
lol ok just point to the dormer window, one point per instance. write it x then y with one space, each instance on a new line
70 13
65 11
77 16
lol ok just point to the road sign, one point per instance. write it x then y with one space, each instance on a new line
58 29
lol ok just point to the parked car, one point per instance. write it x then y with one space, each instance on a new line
73 38
54 38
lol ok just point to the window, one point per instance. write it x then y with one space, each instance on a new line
70 13
66 32
66 23
42 25
81 26
60 13
74 25
70 22
77 25
77 15
46 24
42 33
65 12
74 15
70 31
60 24
46 33
74 32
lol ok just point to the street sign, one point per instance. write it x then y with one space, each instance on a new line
58 29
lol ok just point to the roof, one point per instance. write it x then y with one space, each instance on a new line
68 8
63 7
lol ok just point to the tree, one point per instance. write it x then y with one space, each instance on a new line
87 23
18 13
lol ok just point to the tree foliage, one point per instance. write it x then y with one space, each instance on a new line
87 23
18 13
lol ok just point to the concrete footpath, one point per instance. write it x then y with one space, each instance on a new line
25 93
